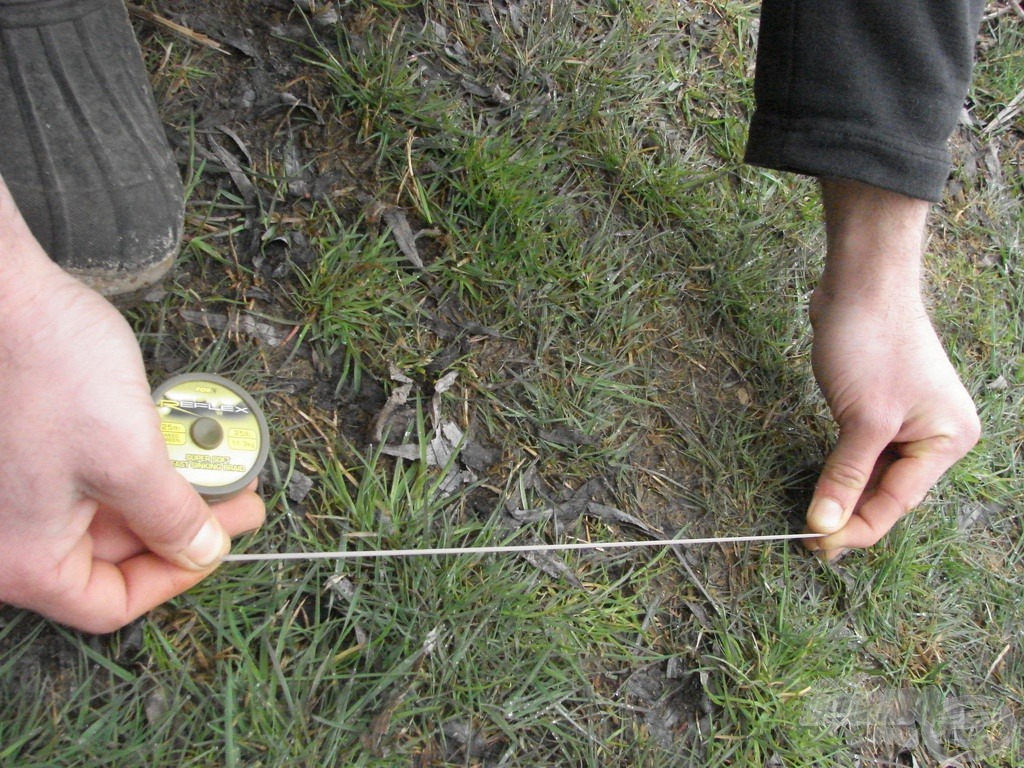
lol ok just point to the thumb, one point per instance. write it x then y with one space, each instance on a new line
846 474
169 517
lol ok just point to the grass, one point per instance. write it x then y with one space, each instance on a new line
622 303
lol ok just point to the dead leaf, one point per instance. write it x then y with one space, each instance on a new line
398 397
404 236
155 706
998 384
343 587
294 169
1007 116
160 21
613 515
445 383
397 375
553 566
979 514
245 187
468 741
568 436
242 146
441 386
299 486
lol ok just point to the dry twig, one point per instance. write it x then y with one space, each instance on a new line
161 21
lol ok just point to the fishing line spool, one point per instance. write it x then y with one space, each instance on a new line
215 433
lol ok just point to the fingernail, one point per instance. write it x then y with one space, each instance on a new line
209 545
825 516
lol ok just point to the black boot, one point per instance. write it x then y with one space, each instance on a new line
82 149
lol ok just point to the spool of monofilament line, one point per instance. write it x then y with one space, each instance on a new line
215 433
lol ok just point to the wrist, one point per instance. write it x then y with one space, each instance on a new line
875 241
26 272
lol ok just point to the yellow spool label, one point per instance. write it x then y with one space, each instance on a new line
229 457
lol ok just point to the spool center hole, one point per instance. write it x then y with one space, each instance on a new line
207 433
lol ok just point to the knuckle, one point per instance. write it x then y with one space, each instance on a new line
961 437
100 624
845 474
127 459
881 419
901 506
172 526
971 433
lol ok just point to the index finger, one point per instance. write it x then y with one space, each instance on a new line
99 596
900 487
114 594
114 541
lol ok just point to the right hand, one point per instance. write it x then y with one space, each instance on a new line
904 416
96 526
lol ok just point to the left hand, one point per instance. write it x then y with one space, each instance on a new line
96 525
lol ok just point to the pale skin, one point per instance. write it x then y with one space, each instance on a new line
904 417
96 527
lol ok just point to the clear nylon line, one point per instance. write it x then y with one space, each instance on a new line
423 552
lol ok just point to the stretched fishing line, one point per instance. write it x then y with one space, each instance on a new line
511 548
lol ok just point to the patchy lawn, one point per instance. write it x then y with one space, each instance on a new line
497 274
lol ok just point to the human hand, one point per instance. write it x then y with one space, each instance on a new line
96 526
904 416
